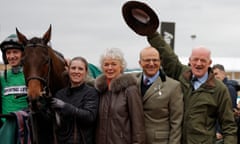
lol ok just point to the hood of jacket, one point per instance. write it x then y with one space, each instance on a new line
122 82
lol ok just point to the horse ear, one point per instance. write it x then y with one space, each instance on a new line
21 38
47 35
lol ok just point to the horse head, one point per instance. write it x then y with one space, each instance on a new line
42 67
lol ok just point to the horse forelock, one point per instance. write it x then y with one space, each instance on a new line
36 42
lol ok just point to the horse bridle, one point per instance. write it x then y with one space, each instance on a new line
44 81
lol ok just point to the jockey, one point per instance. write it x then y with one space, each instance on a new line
13 89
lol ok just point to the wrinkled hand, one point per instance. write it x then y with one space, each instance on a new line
57 103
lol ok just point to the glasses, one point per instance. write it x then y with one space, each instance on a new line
149 60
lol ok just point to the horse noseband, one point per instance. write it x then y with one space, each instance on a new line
42 80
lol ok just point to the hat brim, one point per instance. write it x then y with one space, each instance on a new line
140 18
10 45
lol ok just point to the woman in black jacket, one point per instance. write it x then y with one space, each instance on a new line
77 106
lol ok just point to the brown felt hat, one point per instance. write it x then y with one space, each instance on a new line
140 17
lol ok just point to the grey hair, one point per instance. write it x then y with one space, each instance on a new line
114 53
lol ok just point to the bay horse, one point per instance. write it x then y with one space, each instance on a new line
43 69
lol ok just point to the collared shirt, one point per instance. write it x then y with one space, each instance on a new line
151 79
200 81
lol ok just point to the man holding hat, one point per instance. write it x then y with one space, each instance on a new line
206 99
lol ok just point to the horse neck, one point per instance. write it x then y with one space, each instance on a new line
57 69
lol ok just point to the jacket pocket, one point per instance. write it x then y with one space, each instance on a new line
200 139
161 135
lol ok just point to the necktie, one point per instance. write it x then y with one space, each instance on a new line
146 81
194 79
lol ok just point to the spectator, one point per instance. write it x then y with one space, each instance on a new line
219 72
162 101
120 119
77 106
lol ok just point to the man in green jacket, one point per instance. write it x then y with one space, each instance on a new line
13 89
206 99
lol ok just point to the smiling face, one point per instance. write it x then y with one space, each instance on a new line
200 61
112 68
77 72
112 63
150 61
14 56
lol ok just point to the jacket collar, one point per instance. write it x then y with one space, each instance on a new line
121 82
208 84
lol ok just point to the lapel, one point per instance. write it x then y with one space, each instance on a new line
139 82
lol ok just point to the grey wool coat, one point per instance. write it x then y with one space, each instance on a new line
163 111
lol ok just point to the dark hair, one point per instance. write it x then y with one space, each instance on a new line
218 66
81 59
